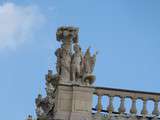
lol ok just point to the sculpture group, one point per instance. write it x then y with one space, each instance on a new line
72 66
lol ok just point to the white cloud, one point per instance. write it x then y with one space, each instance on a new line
17 23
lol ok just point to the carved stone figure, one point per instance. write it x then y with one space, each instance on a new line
39 111
86 61
65 65
58 54
93 61
49 89
88 66
44 105
76 63
73 67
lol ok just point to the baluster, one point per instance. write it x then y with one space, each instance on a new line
121 108
99 104
110 106
133 109
155 110
144 111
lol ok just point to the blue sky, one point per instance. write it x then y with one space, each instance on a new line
126 34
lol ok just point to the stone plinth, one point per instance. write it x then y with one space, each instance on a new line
73 103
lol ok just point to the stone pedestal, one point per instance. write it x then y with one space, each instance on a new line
73 103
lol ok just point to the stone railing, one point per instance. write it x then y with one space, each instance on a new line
123 95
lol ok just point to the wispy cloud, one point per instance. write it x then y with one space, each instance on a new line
17 23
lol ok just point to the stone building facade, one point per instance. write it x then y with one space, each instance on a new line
70 91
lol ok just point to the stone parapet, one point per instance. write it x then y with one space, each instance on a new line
123 94
73 102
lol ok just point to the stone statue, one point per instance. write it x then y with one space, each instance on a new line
86 62
49 89
88 67
73 66
39 111
65 65
93 61
76 63
58 54
89 61
44 105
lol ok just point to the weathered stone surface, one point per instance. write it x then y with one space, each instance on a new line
73 102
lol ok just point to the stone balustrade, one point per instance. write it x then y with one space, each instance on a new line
111 93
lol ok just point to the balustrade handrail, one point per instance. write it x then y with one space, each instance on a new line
124 93
126 90
155 96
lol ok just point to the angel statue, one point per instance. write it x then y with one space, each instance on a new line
88 66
